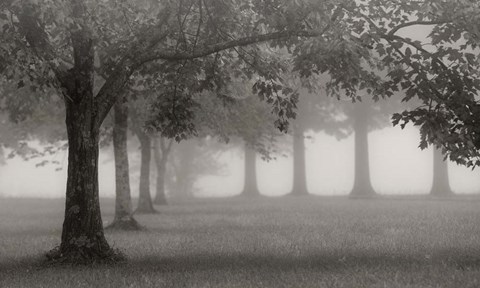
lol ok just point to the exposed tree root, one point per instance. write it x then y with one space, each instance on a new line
74 255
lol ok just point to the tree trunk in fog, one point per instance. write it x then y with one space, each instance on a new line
441 183
161 152
184 170
299 164
123 219
83 226
83 238
250 187
362 186
145 205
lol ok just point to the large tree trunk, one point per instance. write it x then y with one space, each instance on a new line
83 238
441 183
250 188
161 158
145 204
362 186
299 165
123 219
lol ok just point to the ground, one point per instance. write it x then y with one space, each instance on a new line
266 242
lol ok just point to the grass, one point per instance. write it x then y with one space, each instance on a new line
267 242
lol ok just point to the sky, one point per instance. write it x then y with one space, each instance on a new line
397 166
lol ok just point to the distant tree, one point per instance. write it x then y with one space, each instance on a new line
123 219
362 186
145 203
440 182
186 155
231 114
250 184
190 160
316 112
161 151
252 122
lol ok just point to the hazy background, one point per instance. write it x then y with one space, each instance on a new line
397 167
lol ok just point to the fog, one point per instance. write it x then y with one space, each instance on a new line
397 166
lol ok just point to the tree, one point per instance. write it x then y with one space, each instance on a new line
440 182
145 203
184 168
161 150
316 112
254 125
123 203
64 38
362 186
234 115
250 185
189 160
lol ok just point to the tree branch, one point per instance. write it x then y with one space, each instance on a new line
210 49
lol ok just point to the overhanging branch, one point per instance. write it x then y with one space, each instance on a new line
207 50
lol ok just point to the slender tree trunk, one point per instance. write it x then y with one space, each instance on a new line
184 171
123 219
145 205
250 180
441 183
362 186
161 158
299 164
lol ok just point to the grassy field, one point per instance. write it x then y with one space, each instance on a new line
267 242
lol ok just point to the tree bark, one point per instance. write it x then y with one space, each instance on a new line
299 165
161 158
123 219
83 239
145 204
250 179
441 183
362 187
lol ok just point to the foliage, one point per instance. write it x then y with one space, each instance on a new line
27 117
197 45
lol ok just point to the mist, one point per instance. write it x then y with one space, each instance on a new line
397 166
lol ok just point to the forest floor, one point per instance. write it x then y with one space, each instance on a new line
264 242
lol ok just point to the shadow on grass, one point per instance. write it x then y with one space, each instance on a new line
334 260
316 262
218 262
